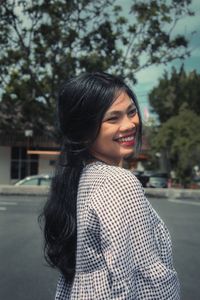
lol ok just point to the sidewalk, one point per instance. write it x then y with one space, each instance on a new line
173 193
149 192
24 190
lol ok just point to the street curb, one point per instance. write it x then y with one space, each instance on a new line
24 190
149 192
173 193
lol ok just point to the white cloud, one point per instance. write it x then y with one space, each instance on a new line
148 78
149 75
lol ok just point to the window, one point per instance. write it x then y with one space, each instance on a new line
45 181
23 165
33 181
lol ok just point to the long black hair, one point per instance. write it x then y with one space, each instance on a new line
82 103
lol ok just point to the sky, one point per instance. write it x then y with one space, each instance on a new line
148 78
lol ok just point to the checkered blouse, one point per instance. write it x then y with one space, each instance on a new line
123 247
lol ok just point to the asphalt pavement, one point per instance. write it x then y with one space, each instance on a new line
25 275
182 217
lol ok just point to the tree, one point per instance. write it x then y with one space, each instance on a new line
176 101
174 91
44 42
179 137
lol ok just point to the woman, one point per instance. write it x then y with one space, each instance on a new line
100 230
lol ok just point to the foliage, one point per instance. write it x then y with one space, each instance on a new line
180 138
176 101
44 42
175 91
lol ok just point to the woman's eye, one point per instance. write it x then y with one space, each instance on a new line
112 119
132 112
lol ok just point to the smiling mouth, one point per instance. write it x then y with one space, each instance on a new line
128 140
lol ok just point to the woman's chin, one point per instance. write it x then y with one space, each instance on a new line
128 153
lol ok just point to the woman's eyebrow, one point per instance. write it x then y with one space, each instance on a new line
117 112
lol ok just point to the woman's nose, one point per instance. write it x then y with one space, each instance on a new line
129 123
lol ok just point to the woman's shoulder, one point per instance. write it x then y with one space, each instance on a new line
119 193
113 175
120 175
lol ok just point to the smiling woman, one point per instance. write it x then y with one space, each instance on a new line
100 230
117 134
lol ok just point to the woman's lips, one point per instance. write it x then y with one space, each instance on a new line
127 140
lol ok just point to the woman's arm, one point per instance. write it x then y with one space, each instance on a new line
138 265
63 289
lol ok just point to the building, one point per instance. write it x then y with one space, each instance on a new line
23 155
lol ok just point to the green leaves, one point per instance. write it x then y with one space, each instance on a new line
171 92
47 42
180 135
176 101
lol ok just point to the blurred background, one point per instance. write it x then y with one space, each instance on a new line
155 46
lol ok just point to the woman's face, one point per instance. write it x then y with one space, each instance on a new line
117 135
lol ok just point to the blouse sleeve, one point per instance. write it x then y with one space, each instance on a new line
139 259
63 289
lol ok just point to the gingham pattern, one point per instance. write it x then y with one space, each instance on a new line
123 247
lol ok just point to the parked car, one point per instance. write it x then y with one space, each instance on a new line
152 179
41 180
158 181
143 178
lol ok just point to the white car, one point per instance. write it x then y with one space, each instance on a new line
41 180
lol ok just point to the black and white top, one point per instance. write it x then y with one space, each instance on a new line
123 247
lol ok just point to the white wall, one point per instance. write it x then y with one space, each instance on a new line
44 165
5 156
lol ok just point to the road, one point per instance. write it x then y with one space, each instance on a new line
182 217
23 272
25 275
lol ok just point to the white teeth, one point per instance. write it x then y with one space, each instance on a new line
126 139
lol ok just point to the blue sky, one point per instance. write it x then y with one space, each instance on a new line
148 78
